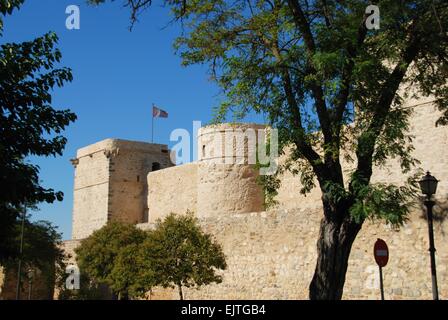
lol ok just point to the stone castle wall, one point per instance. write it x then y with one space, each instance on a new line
227 181
172 190
282 267
271 254
218 182
91 190
128 187
209 186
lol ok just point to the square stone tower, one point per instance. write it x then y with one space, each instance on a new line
110 183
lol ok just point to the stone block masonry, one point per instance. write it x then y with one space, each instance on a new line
110 183
173 189
272 255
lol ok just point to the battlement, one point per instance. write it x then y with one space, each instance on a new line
114 145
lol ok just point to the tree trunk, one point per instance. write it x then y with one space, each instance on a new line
333 250
181 296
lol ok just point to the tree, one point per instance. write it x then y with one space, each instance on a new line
29 125
131 261
42 252
180 254
43 249
102 257
312 66
132 273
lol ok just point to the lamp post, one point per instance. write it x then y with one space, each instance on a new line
428 185
19 269
30 282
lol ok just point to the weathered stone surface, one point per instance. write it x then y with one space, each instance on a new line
163 199
69 248
227 181
110 183
272 255
224 189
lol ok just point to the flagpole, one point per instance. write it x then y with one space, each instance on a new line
152 124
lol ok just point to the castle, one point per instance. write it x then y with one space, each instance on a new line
136 182
271 254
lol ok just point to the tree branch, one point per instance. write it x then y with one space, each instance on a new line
318 94
303 25
367 140
325 13
305 148
347 72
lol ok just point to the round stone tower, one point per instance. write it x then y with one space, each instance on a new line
227 177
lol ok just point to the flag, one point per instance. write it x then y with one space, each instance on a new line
158 113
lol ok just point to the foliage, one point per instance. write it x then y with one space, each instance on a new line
42 250
132 273
29 124
131 262
269 182
386 202
6 8
182 255
101 256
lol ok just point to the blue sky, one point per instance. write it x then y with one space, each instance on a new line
117 76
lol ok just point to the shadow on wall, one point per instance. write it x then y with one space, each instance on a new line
440 212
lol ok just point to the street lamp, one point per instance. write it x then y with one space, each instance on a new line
19 269
428 185
30 282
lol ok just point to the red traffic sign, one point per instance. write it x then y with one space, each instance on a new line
381 252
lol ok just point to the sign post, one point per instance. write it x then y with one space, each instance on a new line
381 253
